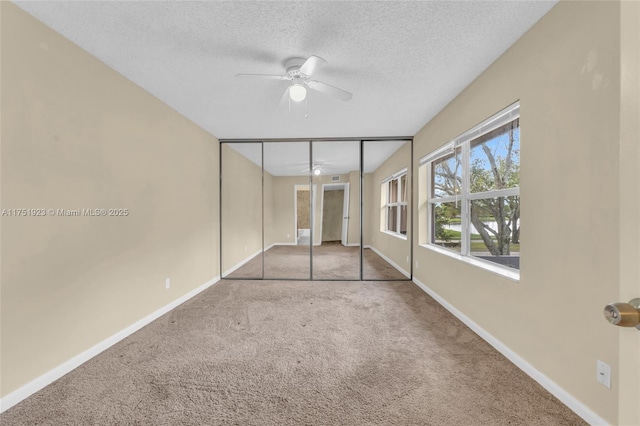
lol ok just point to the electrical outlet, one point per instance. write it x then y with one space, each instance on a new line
416 264
407 259
288 235
604 374
167 283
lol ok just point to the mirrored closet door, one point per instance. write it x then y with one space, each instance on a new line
336 179
387 210
287 210
241 210
320 210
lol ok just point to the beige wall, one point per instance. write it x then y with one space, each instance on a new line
269 209
353 230
566 73
283 220
75 134
241 215
368 206
282 223
280 227
395 248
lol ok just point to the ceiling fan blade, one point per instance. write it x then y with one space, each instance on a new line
312 64
264 76
330 90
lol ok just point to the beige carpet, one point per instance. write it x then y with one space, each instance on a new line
298 353
331 261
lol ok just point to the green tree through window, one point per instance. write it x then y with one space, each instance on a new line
473 191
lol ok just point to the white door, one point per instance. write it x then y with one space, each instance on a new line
345 214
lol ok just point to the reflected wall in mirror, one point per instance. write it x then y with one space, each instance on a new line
336 177
241 210
287 211
387 210
292 210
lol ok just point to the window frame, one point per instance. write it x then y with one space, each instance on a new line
465 196
386 187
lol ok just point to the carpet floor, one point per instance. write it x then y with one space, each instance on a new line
331 261
298 353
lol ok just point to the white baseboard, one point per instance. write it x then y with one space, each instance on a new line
49 377
389 261
565 397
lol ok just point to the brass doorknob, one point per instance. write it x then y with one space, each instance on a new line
624 314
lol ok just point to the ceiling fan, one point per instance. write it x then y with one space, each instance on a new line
317 167
299 72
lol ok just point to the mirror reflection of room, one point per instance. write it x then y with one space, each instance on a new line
287 210
336 175
387 207
241 210
310 209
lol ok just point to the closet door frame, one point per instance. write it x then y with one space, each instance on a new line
312 219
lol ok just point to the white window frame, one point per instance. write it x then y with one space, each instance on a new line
386 186
463 143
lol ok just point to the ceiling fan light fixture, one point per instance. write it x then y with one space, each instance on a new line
316 171
297 92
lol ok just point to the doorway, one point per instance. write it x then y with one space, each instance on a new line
334 218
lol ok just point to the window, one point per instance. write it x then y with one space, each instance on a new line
473 193
394 193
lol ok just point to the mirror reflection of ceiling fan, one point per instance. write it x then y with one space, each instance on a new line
299 72
318 167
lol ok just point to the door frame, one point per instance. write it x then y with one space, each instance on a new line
361 196
345 210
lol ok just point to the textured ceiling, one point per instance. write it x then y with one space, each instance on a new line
402 60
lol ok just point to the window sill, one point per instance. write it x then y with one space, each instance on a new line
395 234
512 274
